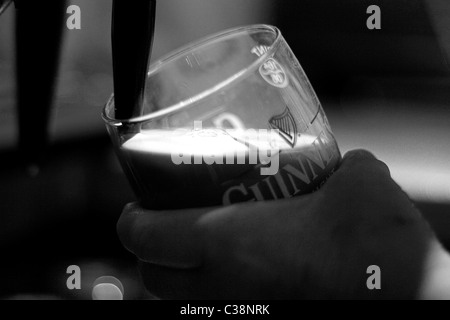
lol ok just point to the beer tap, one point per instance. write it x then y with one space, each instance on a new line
133 26
38 40
39 29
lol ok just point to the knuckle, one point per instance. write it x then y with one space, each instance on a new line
359 154
131 208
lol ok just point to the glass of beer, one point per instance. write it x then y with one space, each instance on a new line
230 118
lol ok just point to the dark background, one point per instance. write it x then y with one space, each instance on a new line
384 90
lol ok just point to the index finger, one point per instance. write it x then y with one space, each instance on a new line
162 237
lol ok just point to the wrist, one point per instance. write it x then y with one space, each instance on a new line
436 281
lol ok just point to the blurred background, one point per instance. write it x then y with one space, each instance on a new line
385 90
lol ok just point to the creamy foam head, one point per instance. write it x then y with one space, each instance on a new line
211 141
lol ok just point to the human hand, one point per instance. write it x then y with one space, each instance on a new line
313 246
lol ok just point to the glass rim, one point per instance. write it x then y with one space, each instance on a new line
173 55
5 6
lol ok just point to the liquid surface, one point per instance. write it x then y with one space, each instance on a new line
192 168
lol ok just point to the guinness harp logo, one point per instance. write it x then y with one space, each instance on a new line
286 126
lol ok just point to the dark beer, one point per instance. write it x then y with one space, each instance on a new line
221 169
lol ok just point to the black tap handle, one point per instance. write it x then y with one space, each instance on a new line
39 26
132 38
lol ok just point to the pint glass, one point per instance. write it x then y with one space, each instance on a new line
230 118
